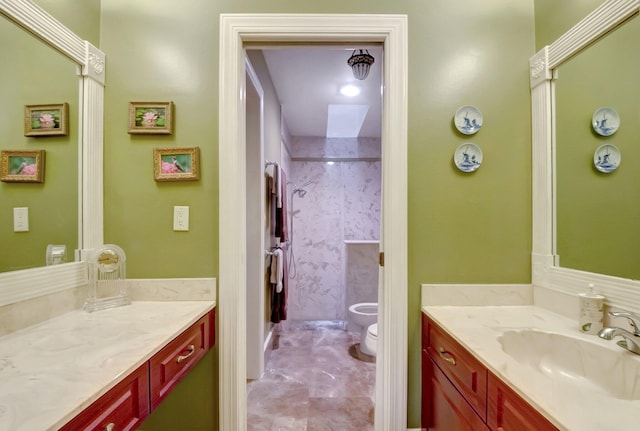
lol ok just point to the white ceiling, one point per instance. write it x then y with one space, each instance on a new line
308 81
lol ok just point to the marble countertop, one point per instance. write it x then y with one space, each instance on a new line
51 371
570 407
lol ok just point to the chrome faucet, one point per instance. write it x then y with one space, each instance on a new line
631 340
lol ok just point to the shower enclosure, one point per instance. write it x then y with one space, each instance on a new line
335 222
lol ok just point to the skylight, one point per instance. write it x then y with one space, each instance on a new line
345 121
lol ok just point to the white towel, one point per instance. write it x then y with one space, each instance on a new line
277 268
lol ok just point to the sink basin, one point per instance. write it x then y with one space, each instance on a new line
576 361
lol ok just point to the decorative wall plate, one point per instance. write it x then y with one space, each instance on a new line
607 158
468 157
605 121
468 119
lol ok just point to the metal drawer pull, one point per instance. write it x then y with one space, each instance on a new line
192 350
110 427
447 356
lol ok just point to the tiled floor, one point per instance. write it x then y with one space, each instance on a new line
312 382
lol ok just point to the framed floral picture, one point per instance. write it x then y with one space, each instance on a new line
22 166
176 164
46 120
151 118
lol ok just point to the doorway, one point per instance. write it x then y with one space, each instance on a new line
236 32
327 145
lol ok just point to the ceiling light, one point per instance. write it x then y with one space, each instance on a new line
349 90
360 63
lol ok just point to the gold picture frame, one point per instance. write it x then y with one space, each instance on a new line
176 164
22 166
151 118
46 120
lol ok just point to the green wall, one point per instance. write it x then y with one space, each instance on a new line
467 228
463 228
189 407
158 52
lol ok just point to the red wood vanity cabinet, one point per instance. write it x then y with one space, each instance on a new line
443 407
509 412
460 394
125 406
173 362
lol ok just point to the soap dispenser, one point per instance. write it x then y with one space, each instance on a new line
591 311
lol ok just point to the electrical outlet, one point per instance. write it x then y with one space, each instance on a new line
21 219
180 218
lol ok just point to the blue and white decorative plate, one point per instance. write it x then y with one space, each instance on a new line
468 157
468 119
605 121
607 158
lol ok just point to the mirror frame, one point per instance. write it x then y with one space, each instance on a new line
25 284
545 270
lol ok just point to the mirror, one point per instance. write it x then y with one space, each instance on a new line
552 222
87 194
598 213
43 77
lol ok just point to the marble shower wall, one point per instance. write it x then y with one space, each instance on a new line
361 272
361 190
342 203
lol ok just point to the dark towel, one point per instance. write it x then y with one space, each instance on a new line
279 299
281 230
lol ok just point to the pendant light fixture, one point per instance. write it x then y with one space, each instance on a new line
360 63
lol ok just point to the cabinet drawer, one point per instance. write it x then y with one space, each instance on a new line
122 408
444 409
509 412
171 364
467 373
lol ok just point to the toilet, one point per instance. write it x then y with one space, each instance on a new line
369 346
365 316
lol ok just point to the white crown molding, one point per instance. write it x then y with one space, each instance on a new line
546 273
36 20
391 30
30 283
606 17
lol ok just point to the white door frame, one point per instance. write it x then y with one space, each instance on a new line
235 31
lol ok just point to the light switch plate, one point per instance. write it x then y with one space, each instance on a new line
180 218
21 219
